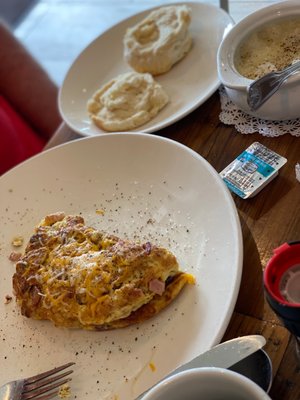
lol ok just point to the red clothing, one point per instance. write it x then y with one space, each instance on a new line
18 141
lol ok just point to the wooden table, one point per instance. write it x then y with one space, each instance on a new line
269 219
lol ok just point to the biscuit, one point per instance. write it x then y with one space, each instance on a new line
126 102
159 41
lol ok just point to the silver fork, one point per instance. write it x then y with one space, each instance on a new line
263 88
38 386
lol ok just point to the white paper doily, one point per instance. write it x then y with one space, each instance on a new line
245 123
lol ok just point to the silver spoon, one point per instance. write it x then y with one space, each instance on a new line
263 88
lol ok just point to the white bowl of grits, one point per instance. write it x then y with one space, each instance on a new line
266 40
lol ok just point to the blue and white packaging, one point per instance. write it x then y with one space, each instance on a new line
252 170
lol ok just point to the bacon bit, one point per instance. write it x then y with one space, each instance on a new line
17 241
156 286
8 299
14 256
100 212
152 367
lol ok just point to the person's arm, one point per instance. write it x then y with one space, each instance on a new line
25 84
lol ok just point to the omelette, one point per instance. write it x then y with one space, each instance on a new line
79 277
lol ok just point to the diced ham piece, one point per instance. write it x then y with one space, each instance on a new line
156 286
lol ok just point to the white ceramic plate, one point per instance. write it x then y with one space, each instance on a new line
152 188
188 84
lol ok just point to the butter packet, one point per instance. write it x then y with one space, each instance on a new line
252 170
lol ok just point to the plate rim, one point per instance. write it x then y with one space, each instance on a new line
172 120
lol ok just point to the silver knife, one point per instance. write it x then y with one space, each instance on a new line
223 355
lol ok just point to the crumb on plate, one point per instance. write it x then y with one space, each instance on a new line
64 391
152 366
8 299
14 256
100 211
17 241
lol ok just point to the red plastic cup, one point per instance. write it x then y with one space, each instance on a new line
282 285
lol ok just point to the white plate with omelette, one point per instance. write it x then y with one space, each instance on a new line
131 185
188 84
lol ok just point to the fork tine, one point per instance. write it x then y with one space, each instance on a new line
43 382
34 393
43 375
